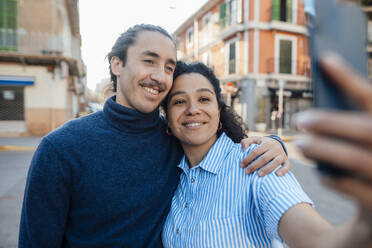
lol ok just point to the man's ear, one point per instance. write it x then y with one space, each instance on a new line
116 65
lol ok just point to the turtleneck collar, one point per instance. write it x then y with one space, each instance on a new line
129 120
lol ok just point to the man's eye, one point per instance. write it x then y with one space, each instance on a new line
169 68
204 99
148 61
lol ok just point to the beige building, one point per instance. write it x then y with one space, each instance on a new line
42 75
259 50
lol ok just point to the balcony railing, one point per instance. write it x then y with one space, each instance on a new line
38 43
290 67
275 14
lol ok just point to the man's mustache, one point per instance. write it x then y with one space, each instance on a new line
154 85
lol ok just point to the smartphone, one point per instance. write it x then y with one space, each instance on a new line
341 28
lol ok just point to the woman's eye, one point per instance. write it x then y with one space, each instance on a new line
148 61
178 102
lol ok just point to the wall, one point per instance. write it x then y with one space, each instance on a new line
45 101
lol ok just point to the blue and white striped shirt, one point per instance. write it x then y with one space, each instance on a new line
217 205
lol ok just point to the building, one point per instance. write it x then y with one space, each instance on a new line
42 75
367 8
259 50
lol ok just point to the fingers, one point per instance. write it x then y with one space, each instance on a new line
356 127
284 169
252 155
249 141
347 79
355 188
341 154
267 163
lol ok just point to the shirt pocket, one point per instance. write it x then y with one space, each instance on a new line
223 232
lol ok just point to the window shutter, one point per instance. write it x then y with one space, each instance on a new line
223 14
289 11
8 22
239 9
275 10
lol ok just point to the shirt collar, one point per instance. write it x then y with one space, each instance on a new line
213 160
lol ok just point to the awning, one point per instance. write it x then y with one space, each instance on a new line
16 80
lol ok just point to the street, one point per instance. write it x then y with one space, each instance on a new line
14 166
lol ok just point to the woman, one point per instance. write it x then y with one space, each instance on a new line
216 204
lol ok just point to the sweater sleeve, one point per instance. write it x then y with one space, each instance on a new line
46 199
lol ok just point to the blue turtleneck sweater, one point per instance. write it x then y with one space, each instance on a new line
104 180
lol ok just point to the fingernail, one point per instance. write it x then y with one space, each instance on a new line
279 174
247 170
303 120
332 59
260 173
241 164
302 142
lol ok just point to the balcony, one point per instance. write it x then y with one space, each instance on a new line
35 43
294 16
40 48
288 67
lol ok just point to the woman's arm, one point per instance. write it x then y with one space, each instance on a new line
344 140
301 227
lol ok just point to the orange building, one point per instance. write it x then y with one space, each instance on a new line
258 47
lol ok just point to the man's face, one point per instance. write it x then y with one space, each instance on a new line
147 76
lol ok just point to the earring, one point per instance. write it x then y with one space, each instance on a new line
220 127
168 131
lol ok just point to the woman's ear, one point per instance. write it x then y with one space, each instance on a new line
116 65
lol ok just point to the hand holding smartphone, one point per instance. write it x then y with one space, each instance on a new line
340 28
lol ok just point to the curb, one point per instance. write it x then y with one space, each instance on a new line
17 148
288 138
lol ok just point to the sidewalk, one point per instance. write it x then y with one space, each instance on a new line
288 138
19 143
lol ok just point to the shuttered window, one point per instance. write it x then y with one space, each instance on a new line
12 103
223 15
8 25
282 10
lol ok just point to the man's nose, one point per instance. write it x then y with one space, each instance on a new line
159 75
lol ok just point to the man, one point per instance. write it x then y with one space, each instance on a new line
107 179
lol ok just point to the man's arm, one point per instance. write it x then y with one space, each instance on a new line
46 199
269 155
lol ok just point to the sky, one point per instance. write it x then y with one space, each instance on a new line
101 23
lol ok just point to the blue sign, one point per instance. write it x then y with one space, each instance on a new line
14 80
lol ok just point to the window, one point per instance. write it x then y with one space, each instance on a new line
206 57
232 58
207 28
223 15
285 56
12 103
189 37
8 25
282 10
232 12
370 31
229 12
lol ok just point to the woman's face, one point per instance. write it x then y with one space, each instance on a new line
193 113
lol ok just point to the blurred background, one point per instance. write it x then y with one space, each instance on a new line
53 69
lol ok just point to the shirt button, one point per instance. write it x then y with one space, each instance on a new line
192 180
177 231
186 205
